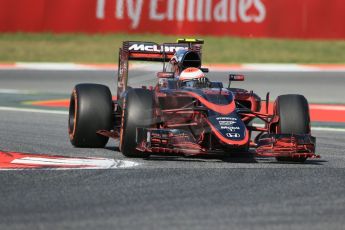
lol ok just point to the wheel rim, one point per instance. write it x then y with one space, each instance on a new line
72 115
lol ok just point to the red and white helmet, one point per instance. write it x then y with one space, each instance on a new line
191 73
193 77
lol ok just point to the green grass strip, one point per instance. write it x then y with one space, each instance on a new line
103 48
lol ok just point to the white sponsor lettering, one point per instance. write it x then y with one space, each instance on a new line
233 135
137 47
119 9
180 10
153 48
230 128
170 11
100 8
154 14
190 12
134 9
227 122
227 118
244 6
208 7
261 11
220 11
232 11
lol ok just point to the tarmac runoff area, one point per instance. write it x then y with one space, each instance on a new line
42 95
72 188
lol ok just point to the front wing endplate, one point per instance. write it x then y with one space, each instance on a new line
287 145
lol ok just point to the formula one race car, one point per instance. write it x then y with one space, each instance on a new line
185 113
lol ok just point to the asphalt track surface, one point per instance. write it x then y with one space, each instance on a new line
167 192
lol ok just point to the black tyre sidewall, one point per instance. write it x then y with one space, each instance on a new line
293 112
137 113
92 108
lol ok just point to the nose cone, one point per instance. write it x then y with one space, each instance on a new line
229 129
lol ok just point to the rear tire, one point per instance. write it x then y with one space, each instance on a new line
137 113
90 110
293 112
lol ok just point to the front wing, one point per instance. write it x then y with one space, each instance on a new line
176 141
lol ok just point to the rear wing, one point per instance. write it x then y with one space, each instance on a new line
149 51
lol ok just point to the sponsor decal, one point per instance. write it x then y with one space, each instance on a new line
154 48
216 92
236 135
244 18
227 118
226 11
230 128
227 122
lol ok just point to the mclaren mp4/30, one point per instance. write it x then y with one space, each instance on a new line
186 119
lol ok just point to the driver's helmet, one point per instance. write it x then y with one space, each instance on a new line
193 77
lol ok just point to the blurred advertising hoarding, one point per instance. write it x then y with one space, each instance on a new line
248 18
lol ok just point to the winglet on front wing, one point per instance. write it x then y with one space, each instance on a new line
287 145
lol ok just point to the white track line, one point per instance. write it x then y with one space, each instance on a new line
16 91
328 129
13 109
325 129
277 67
50 66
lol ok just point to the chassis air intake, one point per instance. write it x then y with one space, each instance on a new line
191 59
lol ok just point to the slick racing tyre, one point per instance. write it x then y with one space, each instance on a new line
293 112
90 110
137 112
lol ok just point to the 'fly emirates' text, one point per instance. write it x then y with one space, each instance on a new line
232 11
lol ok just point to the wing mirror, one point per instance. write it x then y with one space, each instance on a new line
165 74
235 77
204 70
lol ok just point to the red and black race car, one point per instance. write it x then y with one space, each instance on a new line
187 114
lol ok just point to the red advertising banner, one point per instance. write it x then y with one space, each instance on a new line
312 19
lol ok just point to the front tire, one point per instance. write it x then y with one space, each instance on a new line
90 110
137 113
294 118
